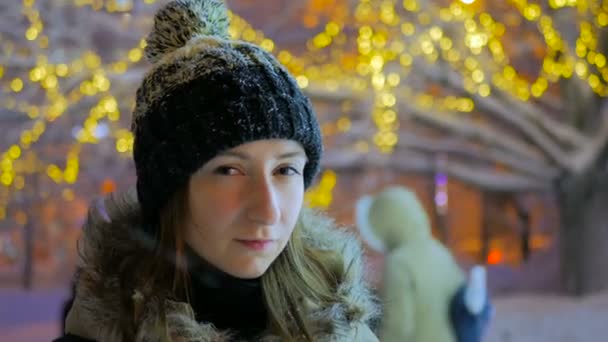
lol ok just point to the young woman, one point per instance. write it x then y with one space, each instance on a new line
214 243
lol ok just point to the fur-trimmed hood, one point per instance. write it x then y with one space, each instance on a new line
109 308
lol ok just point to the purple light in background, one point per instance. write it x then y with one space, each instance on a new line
441 199
441 192
441 179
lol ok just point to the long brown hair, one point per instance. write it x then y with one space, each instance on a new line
300 274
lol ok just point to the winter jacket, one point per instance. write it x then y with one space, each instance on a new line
421 279
112 239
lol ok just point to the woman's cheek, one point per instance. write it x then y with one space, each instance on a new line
220 210
213 201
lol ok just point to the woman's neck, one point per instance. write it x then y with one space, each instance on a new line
208 275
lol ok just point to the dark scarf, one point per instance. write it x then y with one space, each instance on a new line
228 302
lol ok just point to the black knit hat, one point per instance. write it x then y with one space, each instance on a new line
206 94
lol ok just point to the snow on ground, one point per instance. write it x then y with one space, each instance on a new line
536 318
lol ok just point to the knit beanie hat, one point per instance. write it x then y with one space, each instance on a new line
205 94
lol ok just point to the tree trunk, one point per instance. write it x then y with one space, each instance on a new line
583 202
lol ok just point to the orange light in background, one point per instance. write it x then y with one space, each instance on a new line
310 21
495 256
108 186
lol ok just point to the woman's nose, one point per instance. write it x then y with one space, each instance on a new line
264 207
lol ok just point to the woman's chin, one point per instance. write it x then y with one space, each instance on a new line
250 270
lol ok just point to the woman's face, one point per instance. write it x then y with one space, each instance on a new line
244 204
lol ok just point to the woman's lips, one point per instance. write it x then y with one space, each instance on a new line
257 245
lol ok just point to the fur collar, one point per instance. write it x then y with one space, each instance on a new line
111 243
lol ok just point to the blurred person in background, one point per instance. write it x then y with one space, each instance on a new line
426 295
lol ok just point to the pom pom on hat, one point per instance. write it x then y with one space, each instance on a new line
181 20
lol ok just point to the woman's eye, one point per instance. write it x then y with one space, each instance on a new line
288 171
226 171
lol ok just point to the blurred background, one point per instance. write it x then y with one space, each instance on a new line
493 112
